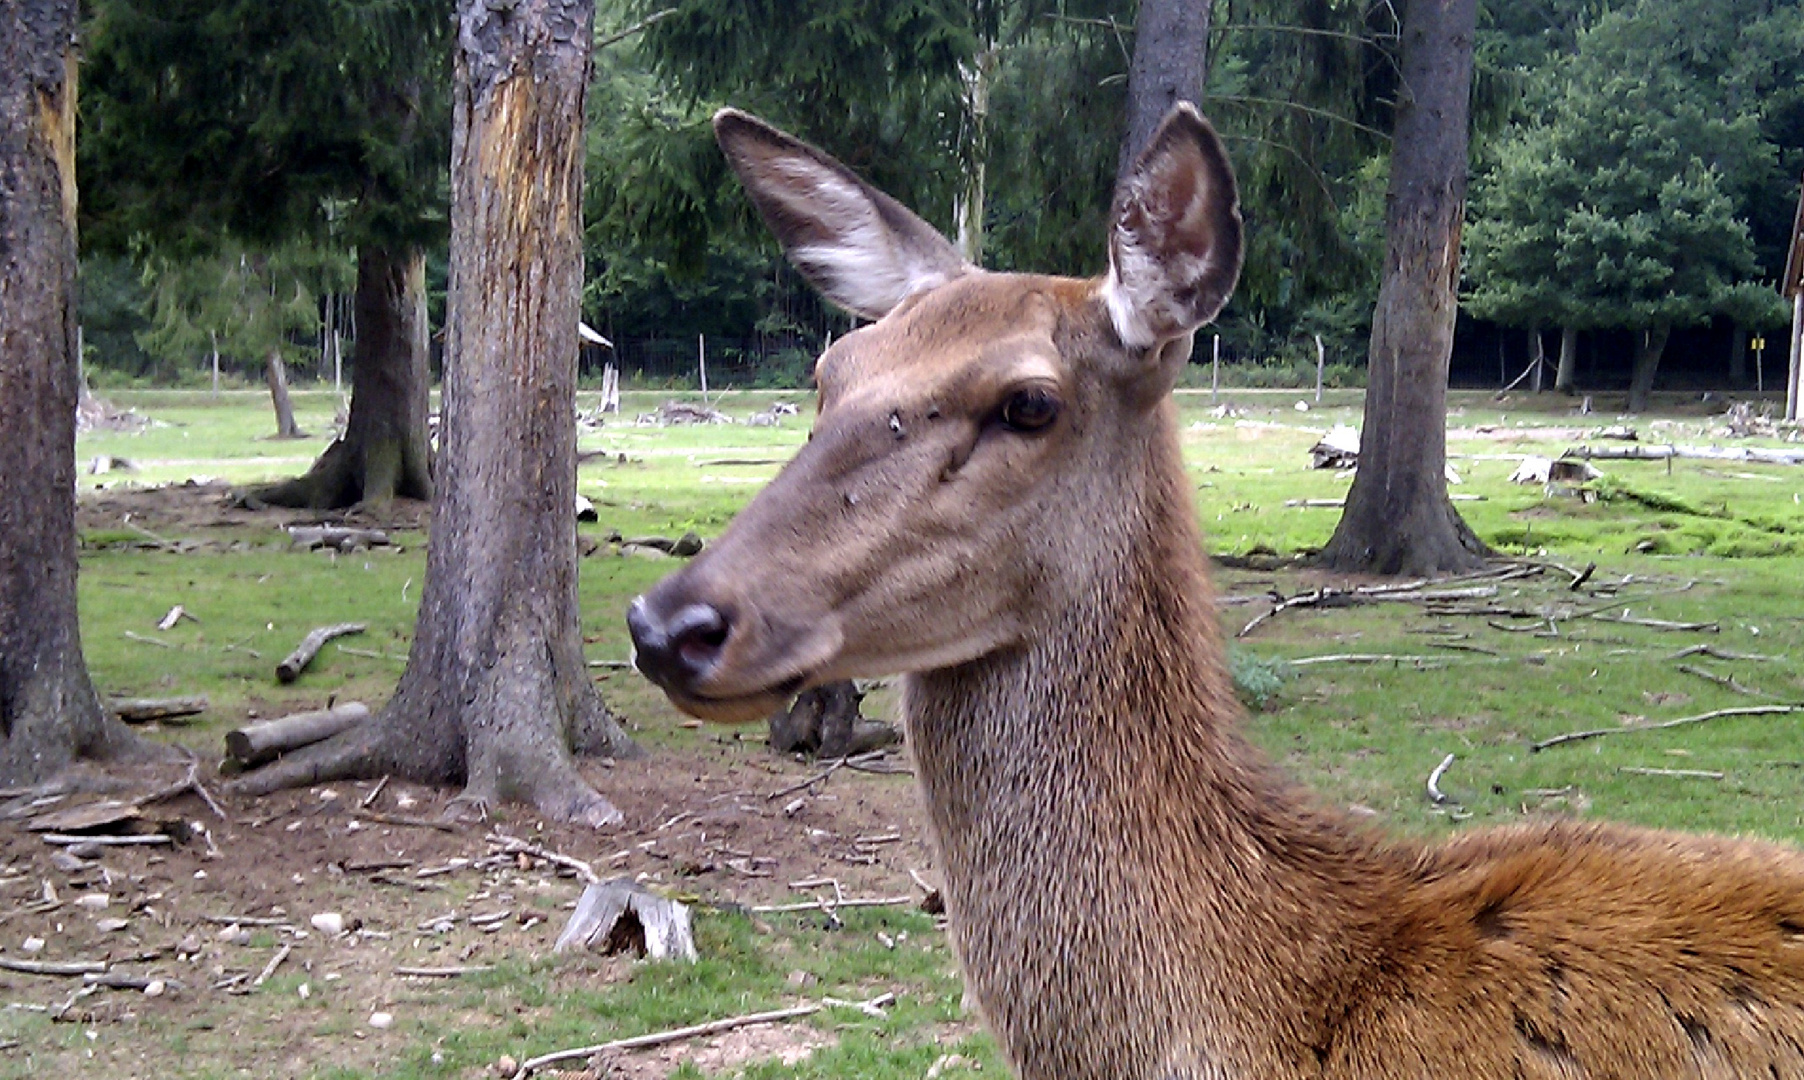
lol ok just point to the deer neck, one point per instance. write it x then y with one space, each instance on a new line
1111 846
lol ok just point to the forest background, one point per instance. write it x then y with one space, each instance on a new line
1632 190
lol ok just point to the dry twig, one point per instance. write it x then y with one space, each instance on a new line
715 1027
1745 710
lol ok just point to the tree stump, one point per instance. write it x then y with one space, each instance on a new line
825 722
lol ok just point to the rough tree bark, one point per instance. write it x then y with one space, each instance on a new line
496 694
383 453
276 374
49 712
1170 64
1650 345
1565 377
1399 519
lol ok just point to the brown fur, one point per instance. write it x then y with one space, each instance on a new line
1136 893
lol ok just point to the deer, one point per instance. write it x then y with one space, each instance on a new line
991 503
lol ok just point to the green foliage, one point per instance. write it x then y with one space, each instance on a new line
1258 679
208 119
1623 204
113 302
245 304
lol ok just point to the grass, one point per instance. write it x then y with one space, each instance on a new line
1693 541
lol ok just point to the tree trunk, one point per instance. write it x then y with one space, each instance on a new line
496 694
276 373
1649 345
1170 64
1565 379
49 712
1399 519
1537 355
968 207
384 452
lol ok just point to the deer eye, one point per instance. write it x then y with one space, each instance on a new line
1030 409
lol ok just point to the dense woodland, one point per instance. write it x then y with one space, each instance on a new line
1633 170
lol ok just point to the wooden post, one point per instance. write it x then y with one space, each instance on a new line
1540 355
1321 362
701 360
213 336
1215 373
1797 348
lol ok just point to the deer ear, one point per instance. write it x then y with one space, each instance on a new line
862 249
1175 247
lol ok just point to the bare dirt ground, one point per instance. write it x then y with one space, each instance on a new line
718 819
214 507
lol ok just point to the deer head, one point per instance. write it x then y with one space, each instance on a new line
977 447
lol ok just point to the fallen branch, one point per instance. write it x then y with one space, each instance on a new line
1701 453
274 963
832 905
141 840
256 743
53 967
1720 654
512 845
1369 658
405 822
858 762
1656 624
714 1027
1696 774
442 972
1745 710
1435 794
1727 682
290 669
143 710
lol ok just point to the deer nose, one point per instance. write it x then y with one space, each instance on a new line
677 651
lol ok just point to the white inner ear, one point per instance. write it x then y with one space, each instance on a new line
1129 293
858 261
1147 272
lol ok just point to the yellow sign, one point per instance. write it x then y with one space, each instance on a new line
1758 344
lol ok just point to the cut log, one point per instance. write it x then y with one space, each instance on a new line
290 669
89 818
143 710
619 915
339 537
254 744
1756 454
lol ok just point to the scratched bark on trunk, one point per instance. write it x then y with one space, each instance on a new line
1650 345
1399 519
49 712
1170 64
496 693
384 452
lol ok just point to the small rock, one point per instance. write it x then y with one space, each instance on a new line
155 988
33 945
67 863
800 978
188 945
305 990
111 926
330 923
235 935
688 544
382 1021
87 849
94 901
506 1066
